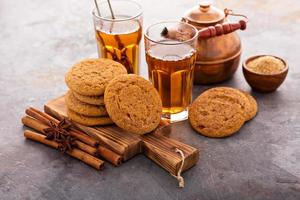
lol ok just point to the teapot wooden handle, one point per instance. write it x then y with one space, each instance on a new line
221 29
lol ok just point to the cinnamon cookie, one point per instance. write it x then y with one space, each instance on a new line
215 118
133 103
90 77
94 100
83 108
88 121
232 96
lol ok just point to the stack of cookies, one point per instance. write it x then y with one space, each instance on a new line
221 111
87 81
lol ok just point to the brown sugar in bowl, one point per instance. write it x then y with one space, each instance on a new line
264 82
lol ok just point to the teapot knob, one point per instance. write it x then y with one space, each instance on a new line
204 6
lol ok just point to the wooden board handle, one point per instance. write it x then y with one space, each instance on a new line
221 29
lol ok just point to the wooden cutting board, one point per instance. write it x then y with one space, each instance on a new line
155 146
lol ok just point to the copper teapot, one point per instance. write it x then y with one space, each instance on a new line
219 46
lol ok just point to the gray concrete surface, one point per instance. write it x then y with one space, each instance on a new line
39 40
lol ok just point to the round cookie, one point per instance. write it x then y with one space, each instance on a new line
253 104
88 121
83 108
94 100
90 77
214 118
133 104
230 95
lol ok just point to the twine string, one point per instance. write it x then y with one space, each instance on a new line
179 178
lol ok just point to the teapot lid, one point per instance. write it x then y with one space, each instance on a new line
204 13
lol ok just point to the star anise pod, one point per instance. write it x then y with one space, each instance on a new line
60 134
67 143
54 130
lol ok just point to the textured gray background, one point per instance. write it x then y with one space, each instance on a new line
40 40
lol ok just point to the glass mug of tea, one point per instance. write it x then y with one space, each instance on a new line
170 49
118 32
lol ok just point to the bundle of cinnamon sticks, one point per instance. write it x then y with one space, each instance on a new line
84 147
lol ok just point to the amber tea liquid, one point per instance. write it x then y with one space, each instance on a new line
171 71
119 41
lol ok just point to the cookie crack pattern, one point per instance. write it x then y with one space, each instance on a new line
91 76
133 104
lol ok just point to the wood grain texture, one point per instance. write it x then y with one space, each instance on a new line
155 146
161 150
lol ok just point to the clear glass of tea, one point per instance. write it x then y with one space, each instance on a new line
171 55
118 33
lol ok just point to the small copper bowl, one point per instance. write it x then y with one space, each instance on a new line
264 82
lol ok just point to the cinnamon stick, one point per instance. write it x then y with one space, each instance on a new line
86 148
110 156
103 140
38 126
104 152
76 153
84 138
45 115
45 119
36 115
